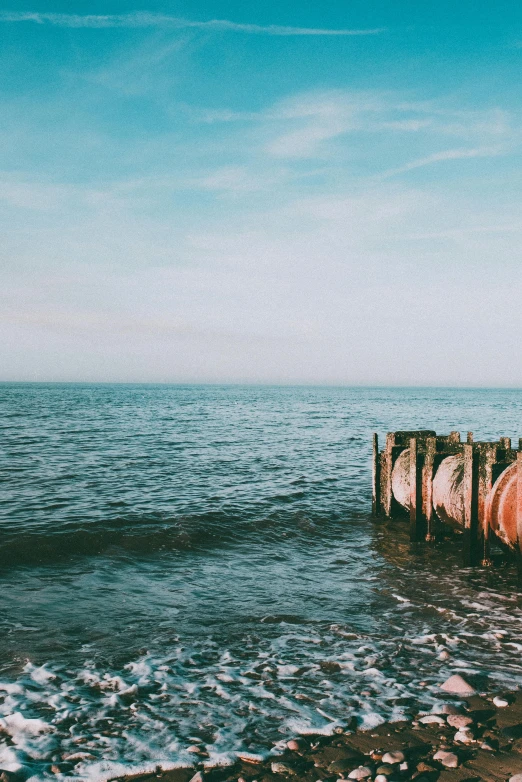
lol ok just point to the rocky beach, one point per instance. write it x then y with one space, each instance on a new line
469 737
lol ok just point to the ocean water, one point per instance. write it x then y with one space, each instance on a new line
197 565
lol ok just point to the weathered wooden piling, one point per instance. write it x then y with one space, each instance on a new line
439 481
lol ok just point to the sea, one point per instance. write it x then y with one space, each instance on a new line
196 567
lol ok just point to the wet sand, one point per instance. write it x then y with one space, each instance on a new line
469 739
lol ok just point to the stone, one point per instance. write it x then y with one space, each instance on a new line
422 766
393 757
432 719
458 686
516 778
381 778
282 768
459 721
341 766
294 745
404 766
512 731
385 770
464 736
446 708
499 702
247 757
198 777
448 759
363 772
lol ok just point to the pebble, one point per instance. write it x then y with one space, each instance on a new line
444 655
246 757
393 757
281 768
516 778
294 745
381 778
198 777
448 759
459 720
457 685
501 703
464 736
363 772
447 708
431 719
385 770
403 766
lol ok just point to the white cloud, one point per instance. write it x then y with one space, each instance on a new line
445 155
144 19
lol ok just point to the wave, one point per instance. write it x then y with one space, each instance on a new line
142 535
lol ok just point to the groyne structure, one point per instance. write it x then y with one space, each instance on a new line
440 482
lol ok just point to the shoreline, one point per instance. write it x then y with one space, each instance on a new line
473 738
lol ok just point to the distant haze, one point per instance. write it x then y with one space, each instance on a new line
283 192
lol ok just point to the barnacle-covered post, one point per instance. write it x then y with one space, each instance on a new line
376 477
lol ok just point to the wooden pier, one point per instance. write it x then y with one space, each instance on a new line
440 481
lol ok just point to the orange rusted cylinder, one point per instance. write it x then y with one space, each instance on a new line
501 507
400 479
448 490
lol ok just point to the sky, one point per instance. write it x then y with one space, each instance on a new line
279 192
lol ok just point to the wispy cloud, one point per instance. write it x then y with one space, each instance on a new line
143 19
447 154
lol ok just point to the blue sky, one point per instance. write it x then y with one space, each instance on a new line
280 192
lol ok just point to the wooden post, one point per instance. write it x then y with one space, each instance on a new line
505 442
470 437
376 478
454 437
386 475
415 505
467 492
432 526
487 459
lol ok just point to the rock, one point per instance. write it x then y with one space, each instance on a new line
363 772
487 746
404 766
56 769
385 770
329 666
393 757
282 768
381 778
512 731
516 778
294 745
459 720
422 766
464 736
499 702
446 708
432 719
448 759
194 749
444 655
341 766
198 777
458 686
247 757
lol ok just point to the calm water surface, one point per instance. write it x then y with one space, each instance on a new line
197 564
